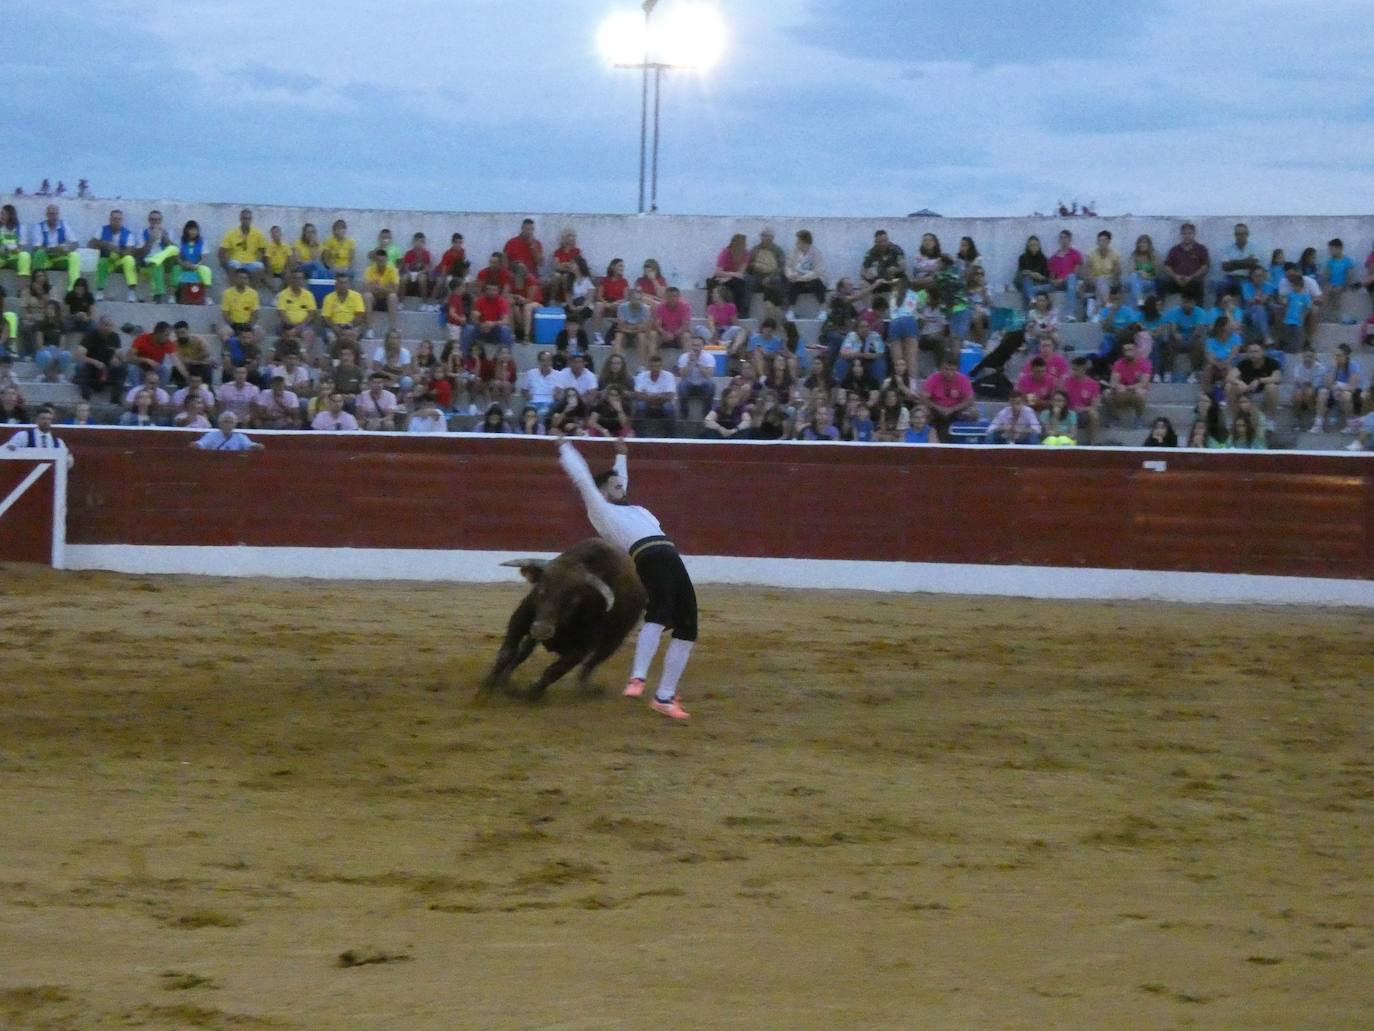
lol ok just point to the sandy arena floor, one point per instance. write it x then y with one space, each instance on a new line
887 813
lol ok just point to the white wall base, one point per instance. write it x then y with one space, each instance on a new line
900 577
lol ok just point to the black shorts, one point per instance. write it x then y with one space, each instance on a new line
672 598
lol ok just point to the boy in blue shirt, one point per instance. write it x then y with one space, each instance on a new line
1298 296
1338 273
1187 324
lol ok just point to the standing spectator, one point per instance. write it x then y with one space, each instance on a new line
12 254
100 365
732 264
505 375
1014 424
492 315
238 396
1186 266
1064 265
949 396
190 257
239 305
539 384
383 285
1084 394
333 417
1337 273
1238 260
1033 272
277 408
158 255
305 254
244 247
525 249
453 267
296 314
376 406
805 272
41 436
884 264
1298 295
1130 383
1309 378
1143 270
673 320
226 437
53 246
339 250
343 309
1102 269
415 268
117 245
655 393
1257 377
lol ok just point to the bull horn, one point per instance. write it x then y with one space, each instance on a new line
530 568
604 589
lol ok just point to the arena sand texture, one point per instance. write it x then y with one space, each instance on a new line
888 812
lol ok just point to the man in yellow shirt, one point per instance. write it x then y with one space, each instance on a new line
244 248
296 309
343 308
383 285
240 302
277 254
337 252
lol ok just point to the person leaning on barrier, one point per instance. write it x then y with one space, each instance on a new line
40 436
226 437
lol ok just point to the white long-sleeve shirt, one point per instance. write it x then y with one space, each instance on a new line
620 525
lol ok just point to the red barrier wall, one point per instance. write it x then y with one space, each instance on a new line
26 526
1229 512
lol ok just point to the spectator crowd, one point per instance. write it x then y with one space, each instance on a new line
309 335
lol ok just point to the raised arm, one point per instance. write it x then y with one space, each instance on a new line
576 467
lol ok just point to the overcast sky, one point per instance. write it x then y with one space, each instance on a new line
862 107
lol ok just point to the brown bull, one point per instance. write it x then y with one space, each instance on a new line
581 606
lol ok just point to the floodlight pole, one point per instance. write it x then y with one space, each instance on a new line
658 88
649 6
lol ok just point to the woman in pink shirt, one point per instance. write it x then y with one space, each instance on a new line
722 317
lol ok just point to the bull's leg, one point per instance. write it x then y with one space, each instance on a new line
556 670
515 649
603 651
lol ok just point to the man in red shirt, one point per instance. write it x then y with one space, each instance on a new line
453 265
1130 385
526 249
496 272
491 312
149 353
949 396
1186 266
1084 398
415 266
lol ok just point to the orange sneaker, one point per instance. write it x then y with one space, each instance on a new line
635 687
672 709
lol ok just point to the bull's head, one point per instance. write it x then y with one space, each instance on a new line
551 597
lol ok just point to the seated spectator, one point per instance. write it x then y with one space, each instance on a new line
581 292
491 313
12 410
1129 389
81 415
1014 424
195 387
162 400
1186 266
1338 272
696 372
299 378
226 437
238 396
452 271
904 381
1037 384
1187 326
333 416
347 374
805 272
1161 434
504 376
1298 296
1368 278
610 417
538 384
242 349
655 393
566 258
338 251
277 408
919 430
569 413
731 273
394 362
1238 260
80 305
1033 273
1059 422
276 256
1309 378
1342 387
376 406
296 314
1084 394
191 356
243 249
967 256
865 349
239 305
782 376
427 418
891 417
859 426
190 262
471 375
1364 434
52 245
653 288
526 295
979 303
157 255
722 319
191 414
100 363
53 360
1256 377
949 396
1257 301
1247 432
12 254
143 409
1102 269
1116 319
493 421
673 320
1064 265
415 268
634 325
884 265
526 249
305 255
382 284
927 262
531 423
343 308
727 418
118 246
1142 270
579 378
151 352
820 425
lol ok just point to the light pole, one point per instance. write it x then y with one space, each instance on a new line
649 6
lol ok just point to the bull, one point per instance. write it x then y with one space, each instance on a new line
581 606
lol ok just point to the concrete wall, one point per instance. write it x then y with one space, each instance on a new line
686 245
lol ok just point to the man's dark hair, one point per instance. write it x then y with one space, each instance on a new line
768 324
182 324
1080 362
1335 243
1106 232
45 408
600 478
162 327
